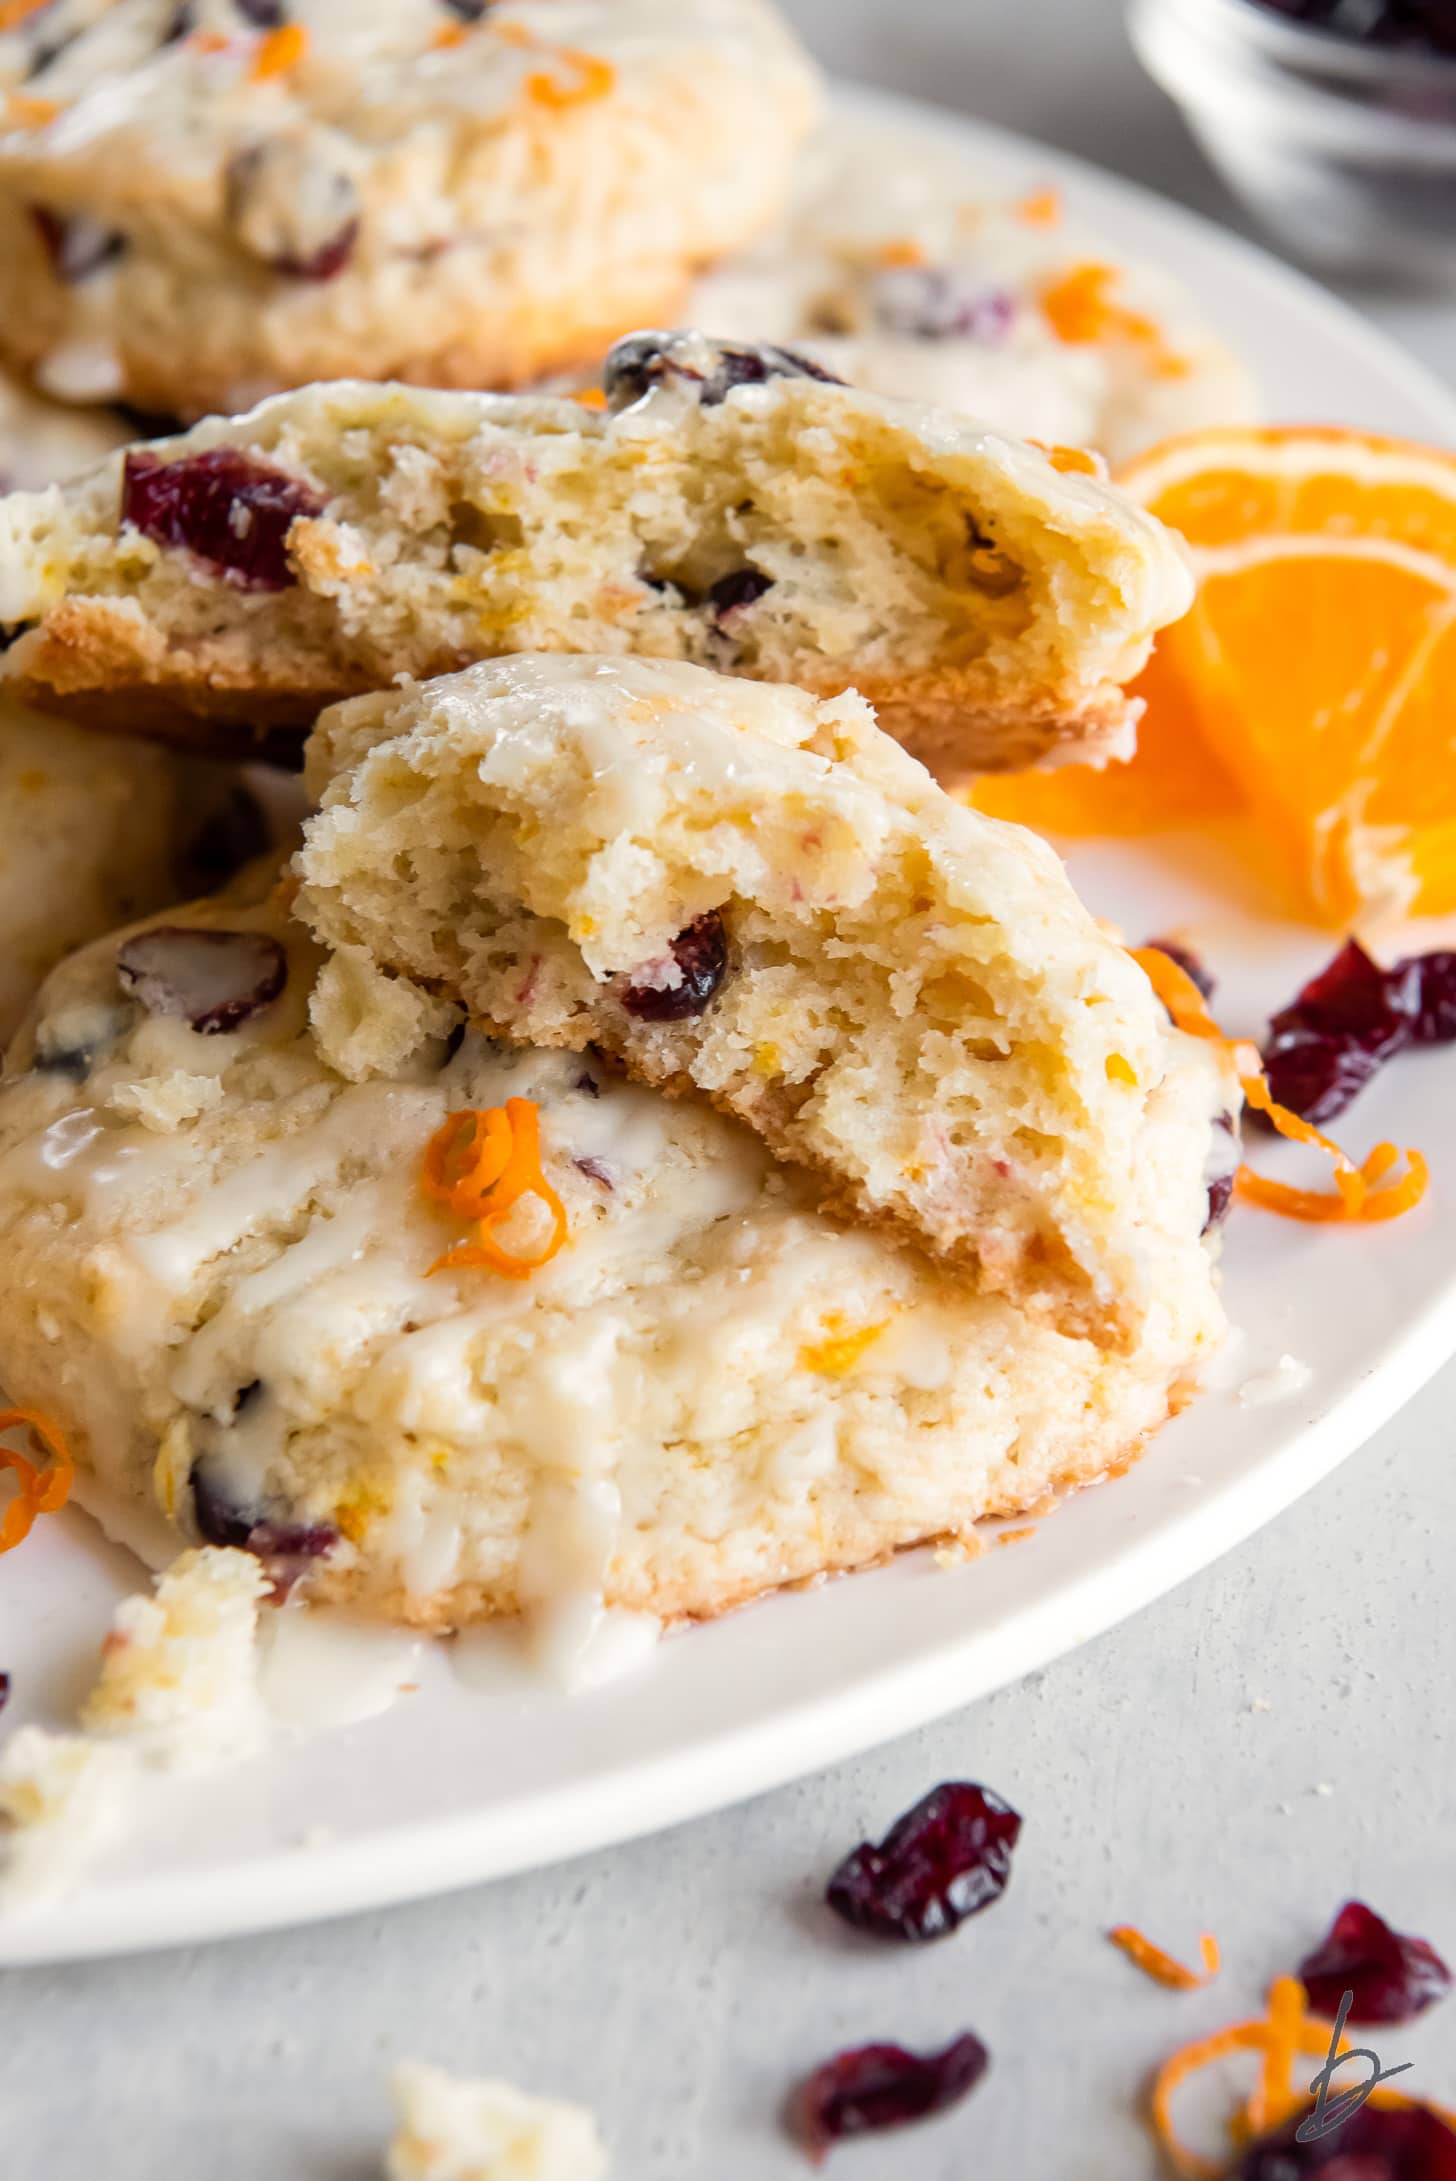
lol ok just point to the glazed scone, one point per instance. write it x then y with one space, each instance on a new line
215 1275
728 508
205 205
756 894
453 2129
99 830
903 269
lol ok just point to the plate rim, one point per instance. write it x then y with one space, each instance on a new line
437 1854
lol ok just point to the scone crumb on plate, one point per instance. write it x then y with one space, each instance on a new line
60 1795
179 1669
452 2129
177 1691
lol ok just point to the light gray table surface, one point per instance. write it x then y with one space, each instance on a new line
1243 1756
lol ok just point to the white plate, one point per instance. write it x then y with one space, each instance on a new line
457 1783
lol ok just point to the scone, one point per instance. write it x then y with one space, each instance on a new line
901 267
757 895
729 507
97 831
208 202
216 1253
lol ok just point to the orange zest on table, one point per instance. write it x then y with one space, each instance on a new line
1079 306
1161 1967
1358 1191
42 1489
480 1164
281 50
1280 2037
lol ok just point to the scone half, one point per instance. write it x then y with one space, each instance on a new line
728 508
756 895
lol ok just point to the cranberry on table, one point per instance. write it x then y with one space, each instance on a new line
871 2088
1346 1023
223 506
1393 1977
944 1861
701 954
1377 2143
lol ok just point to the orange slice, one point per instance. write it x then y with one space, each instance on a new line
1319 660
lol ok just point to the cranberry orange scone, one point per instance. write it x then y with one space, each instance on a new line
730 507
221 1274
755 894
203 204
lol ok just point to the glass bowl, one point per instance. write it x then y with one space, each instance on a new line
1346 151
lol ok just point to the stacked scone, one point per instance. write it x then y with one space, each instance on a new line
652 1144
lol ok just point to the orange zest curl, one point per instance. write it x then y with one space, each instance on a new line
1043 208
480 1164
1078 306
1281 2037
1161 1967
42 1489
1358 1194
281 50
594 78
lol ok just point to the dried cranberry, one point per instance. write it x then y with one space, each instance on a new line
1220 1197
213 979
1188 962
1377 2143
711 368
224 507
1393 1978
701 954
76 247
945 1860
325 263
926 303
469 11
287 1549
595 1171
1434 1021
266 14
1339 1031
4 1690
731 593
874 2087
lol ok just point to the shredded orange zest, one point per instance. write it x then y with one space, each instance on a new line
1357 1195
1079 308
1161 1967
1285 2033
591 397
31 113
1043 208
594 79
208 41
281 50
903 252
836 1356
481 1164
452 34
42 1490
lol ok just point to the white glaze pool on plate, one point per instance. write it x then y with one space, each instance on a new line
471 1774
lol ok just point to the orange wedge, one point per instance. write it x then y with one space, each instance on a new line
1319 660
1313 685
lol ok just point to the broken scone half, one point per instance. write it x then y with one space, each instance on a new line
728 506
756 894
